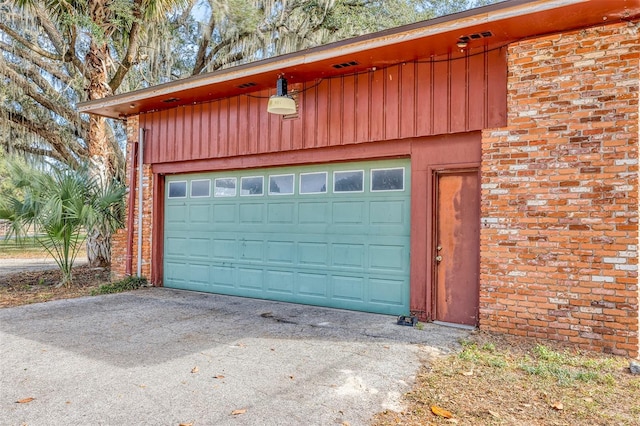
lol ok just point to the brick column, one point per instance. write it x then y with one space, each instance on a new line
119 239
559 238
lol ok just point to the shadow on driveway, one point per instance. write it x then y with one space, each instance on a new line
159 356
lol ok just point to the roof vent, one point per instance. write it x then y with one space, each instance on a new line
344 65
247 85
170 100
476 36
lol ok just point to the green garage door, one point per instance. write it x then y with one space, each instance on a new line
331 235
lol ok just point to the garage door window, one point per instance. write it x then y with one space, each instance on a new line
200 188
387 179
178 189
251 186
281 184
225 187
313 183
348 181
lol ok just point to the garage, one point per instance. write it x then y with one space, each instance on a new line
333 235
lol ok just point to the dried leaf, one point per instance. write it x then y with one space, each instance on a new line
558 406
238 412
24 400
194 369
219 376
441 412
345 423
185 424
467 373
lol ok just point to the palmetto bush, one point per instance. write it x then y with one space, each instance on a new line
59 204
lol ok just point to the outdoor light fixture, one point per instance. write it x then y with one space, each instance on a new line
281 103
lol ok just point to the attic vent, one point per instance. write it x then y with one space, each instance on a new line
476 36
246 85
170 100
344 65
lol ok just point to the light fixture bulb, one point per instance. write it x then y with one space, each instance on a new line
281 103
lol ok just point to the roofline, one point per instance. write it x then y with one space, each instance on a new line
461 20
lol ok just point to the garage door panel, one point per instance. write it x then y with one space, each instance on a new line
313 254
280 282
250 279
313 285
387 292
199 214
345 250
251 213
313 213
224 214
348 288
387 257
392 212
176 213
199 247
281 252
223 275
281 213
348 255
198 273
348 212
176 272
176 246
224 248
251 250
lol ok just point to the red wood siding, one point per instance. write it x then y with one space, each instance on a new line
414 99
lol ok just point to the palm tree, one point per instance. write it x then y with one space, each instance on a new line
59 205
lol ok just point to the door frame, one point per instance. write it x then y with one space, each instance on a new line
433 252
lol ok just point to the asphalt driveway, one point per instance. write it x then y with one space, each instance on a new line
165 357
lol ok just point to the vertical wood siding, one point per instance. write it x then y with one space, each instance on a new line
414 99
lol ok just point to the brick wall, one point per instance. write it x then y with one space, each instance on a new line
559 238
119 240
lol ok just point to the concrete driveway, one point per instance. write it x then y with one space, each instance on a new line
165 357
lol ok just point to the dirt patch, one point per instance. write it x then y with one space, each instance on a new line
24 288
504 380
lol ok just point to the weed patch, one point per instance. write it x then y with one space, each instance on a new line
126 284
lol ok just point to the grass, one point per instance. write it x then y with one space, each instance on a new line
26 248
499 380
126 284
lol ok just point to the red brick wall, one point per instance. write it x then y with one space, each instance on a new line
119 257
559 239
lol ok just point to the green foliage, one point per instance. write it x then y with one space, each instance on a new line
58 206
126 284
566 368
484 355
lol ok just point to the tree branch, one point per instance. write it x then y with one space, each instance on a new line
66 50
132 48
45 133
57 107
35 59
37 49
202 59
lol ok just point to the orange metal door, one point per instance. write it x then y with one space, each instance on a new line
457 245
